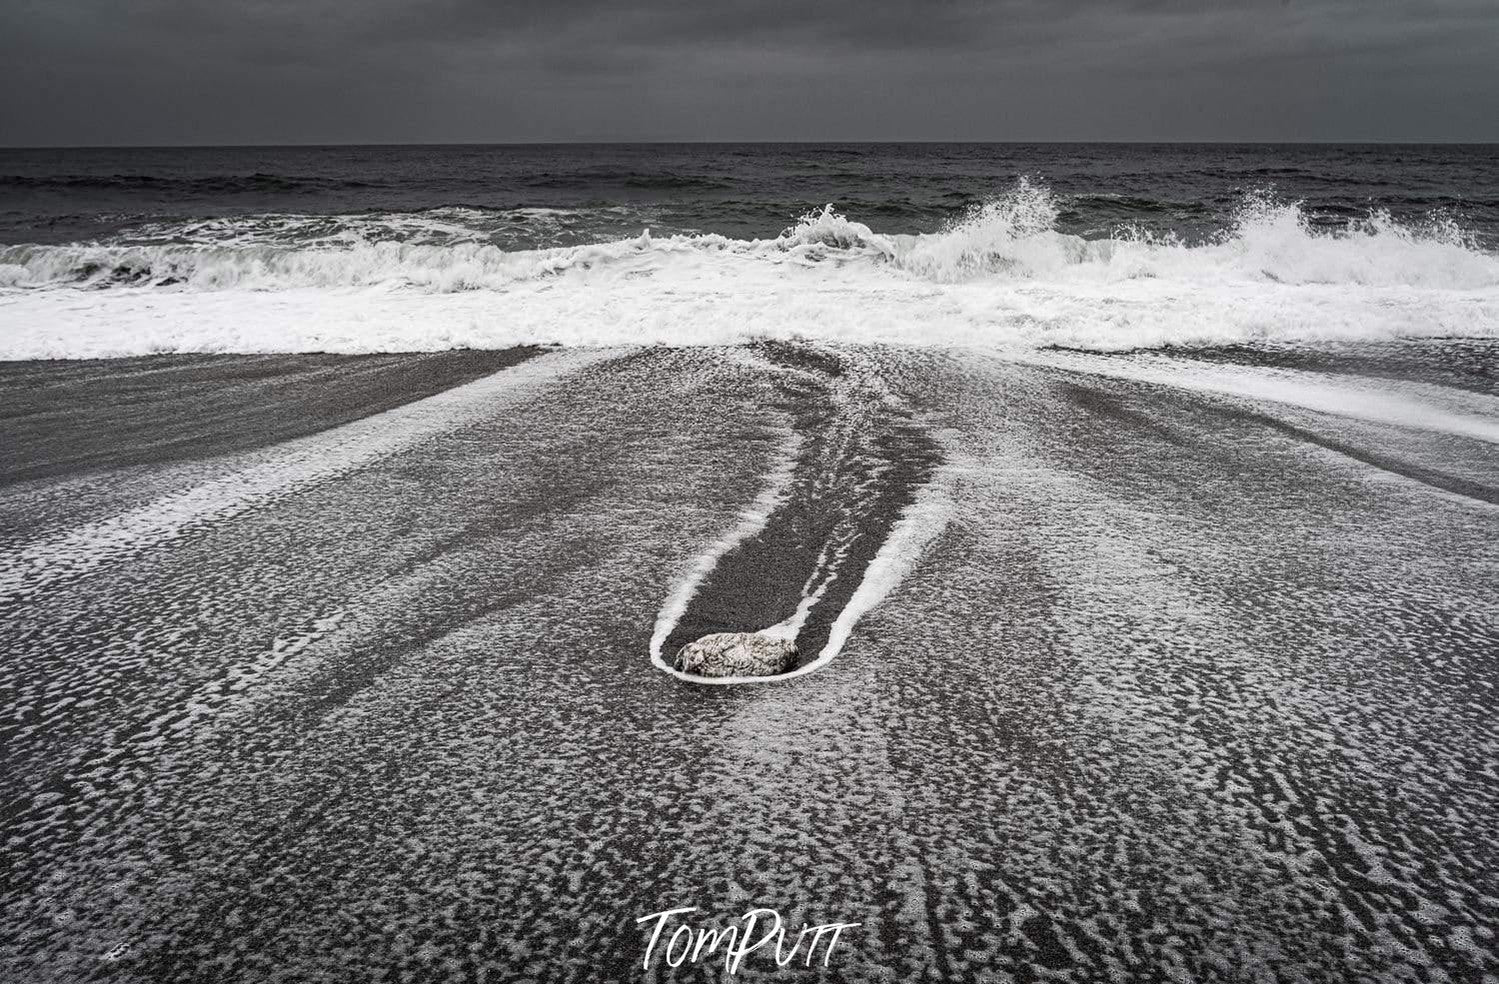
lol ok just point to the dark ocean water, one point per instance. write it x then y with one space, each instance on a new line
738 190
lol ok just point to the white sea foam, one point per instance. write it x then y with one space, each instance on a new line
1002 276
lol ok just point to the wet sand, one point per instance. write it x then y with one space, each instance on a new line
330 668
68 416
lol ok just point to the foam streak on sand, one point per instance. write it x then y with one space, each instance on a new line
281 471
751 521
1438 409
920 523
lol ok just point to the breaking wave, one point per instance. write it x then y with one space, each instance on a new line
1013 237
1002 272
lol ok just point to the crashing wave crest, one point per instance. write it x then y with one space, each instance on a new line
1012 237
1001 274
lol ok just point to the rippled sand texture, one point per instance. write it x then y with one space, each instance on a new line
1165 665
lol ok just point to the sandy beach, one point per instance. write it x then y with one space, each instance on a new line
340 667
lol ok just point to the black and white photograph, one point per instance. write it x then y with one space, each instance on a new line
965 491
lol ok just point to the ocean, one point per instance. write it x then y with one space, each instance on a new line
1134 512
365 249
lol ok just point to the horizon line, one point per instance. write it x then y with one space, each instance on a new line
710 143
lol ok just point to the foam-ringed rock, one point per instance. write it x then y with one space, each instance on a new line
725 654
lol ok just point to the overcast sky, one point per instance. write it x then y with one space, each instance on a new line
313 71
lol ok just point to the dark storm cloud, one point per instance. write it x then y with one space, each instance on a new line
83 71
